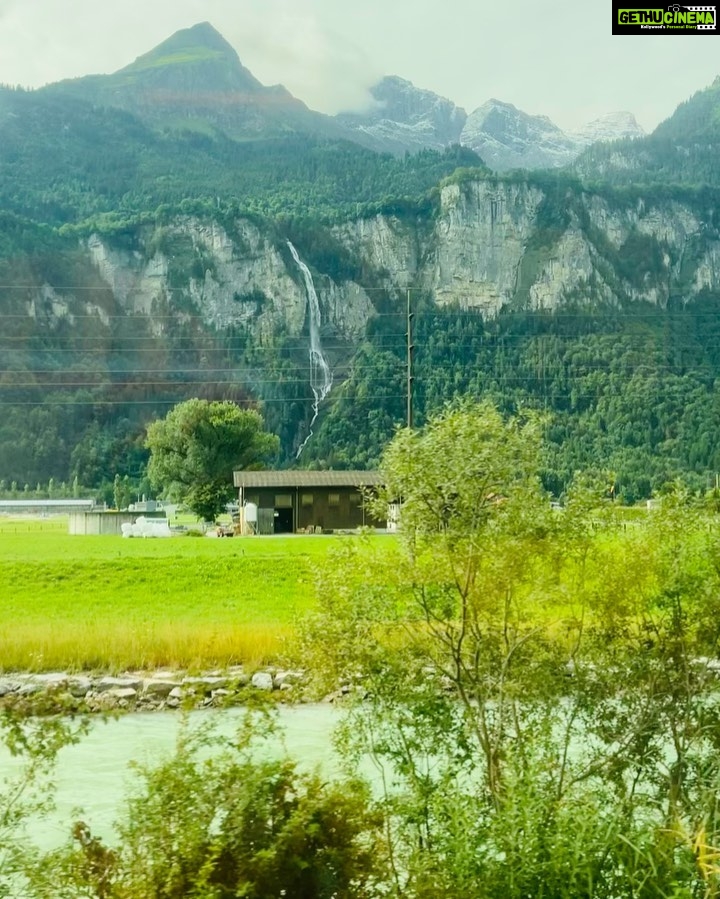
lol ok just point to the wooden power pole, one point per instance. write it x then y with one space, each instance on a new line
410 350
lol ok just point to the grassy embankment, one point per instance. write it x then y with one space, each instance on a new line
82 603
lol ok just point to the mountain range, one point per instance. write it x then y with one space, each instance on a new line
407 118
195 81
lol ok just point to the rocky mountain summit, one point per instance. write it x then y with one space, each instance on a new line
612 126
407 117
507 138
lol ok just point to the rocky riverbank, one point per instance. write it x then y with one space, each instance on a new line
150 691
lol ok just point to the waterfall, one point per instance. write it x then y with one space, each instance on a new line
320 374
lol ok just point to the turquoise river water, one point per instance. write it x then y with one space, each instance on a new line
93 777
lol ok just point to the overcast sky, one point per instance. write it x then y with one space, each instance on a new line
556 58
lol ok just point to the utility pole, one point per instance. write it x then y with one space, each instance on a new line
410 350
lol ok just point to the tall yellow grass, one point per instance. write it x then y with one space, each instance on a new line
119 647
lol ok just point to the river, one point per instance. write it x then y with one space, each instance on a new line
93 777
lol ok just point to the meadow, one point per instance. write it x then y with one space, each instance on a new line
86 603
89 603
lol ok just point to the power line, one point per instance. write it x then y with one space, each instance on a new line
172 402
168 383
570 397
297 374
583 312
388 341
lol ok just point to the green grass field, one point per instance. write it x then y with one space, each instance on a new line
79 603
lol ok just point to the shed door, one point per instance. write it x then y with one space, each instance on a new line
266 521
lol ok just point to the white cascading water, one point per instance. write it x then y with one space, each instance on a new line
320 374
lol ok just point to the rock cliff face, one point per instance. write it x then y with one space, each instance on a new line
492 243
244 280
480 241
501 243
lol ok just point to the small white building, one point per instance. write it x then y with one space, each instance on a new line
106 523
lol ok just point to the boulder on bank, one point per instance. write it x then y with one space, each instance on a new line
118 683
262 680
159 687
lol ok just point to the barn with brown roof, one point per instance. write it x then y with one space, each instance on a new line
289 502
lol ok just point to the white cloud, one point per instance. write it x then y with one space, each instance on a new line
320 66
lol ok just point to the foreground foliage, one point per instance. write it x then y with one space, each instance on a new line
33 742
539 687
225 826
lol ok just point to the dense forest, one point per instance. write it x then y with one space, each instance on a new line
66 162
632 391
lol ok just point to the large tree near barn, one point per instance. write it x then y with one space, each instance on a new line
197 446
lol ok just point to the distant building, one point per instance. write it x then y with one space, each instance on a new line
45 506
288 502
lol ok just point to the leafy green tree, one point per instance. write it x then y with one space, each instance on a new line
122 492
197 446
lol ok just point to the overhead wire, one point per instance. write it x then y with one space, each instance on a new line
112 346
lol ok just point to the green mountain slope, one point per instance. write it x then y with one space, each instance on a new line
196 59
697 120
194 81
682 150
63 160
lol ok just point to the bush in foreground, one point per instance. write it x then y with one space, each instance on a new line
222 826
